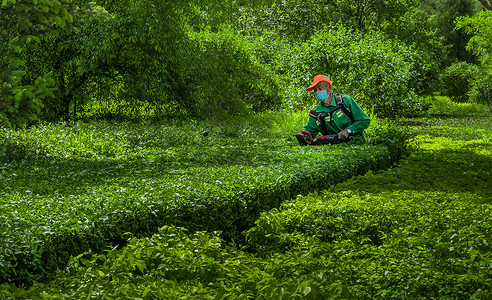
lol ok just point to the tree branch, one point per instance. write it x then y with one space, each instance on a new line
487 4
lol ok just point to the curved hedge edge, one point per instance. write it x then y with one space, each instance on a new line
232 216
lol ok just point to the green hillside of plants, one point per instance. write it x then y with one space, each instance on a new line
420 229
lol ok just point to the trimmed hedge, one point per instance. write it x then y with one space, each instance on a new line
69 189
419 230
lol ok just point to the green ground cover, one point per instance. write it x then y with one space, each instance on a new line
421 229
70 188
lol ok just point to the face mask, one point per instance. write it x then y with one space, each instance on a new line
322 95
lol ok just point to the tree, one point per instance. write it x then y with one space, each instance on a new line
144 53
76 59
25 22
480 26
440 16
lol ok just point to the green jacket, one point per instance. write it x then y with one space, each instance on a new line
338 121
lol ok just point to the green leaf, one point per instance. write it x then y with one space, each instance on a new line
306 290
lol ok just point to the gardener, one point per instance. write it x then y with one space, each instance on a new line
337 117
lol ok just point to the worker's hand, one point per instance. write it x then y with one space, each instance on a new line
343 135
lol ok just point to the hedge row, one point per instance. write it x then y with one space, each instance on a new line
375 236
69 189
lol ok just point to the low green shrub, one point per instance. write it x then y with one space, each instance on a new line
176 264
82 186
419 230
389 244
320 246
456 80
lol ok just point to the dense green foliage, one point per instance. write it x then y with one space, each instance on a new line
120 117
24 23
421 229
457 80
440 16
480 25
70 188
74 59
382 74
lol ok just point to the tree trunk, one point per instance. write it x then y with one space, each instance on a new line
487 100
66 100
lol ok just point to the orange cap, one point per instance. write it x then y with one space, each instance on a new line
317 79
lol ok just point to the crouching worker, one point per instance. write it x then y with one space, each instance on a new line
337 117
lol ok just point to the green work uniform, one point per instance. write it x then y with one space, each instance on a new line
337 121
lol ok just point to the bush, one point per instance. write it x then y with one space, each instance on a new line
481 91
226 76
382 75
456 80
83 186
175 264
